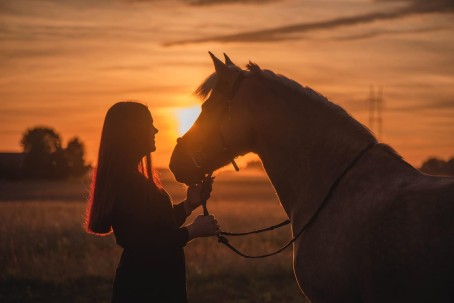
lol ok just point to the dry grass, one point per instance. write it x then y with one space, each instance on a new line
45 256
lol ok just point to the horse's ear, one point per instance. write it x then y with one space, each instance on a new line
227 60
218 65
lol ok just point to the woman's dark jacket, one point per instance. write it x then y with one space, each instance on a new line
147 226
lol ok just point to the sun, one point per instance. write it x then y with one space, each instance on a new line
186 117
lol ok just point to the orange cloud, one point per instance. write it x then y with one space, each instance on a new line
416 7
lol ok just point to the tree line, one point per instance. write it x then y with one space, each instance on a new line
44 157
436 166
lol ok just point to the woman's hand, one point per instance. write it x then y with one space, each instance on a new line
198 192
203 226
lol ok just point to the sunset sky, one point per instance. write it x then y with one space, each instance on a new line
63 63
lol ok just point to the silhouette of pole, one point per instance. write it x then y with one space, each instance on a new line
380 113
376 112
371 108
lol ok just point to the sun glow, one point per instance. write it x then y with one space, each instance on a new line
186 117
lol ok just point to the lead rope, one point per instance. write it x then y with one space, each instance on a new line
225 241
204 195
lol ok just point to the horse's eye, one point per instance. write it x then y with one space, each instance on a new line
178 140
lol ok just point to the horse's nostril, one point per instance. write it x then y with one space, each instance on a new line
178 140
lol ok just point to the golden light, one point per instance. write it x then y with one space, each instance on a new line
186 117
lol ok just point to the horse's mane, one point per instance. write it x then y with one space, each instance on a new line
305 92
209 83
275 80
284 81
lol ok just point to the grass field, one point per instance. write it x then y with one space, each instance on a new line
45 256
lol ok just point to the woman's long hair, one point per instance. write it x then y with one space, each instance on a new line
125 137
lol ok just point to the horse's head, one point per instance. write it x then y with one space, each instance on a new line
221 132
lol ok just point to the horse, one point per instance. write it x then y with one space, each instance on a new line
376 229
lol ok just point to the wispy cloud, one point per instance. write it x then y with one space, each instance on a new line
381 32
208 2
216 2
435 105
415 7
29 53
156 89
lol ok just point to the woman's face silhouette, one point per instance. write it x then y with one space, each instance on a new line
143 135
153 131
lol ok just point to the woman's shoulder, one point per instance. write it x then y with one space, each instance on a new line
132 183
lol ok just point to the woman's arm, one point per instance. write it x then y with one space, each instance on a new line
203 226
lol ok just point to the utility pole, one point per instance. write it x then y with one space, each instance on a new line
376 112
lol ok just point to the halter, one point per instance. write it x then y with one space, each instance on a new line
199 156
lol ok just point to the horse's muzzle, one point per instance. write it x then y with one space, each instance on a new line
186 168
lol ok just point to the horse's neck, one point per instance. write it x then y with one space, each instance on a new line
303 159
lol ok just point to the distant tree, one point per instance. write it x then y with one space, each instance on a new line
449 167
435 166
46 158
41 140
40 146
75 158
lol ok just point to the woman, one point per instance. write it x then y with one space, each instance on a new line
128 199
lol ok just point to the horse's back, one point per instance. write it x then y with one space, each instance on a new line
384 237
409 249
